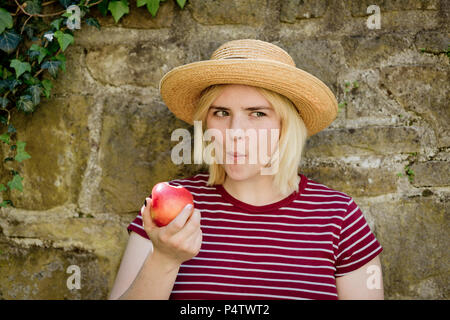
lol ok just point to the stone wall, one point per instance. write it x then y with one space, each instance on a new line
103 139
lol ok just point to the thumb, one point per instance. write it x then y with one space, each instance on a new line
147 221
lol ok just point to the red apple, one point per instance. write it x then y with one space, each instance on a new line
167 202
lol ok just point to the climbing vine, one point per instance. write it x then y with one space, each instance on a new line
34 35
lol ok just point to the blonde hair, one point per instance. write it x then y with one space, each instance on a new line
292 140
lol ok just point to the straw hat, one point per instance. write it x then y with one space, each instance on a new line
255 63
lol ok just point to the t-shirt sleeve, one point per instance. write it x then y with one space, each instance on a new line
137 224
357 243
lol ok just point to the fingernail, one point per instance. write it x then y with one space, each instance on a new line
189 206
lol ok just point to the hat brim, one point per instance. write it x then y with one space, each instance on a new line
181 87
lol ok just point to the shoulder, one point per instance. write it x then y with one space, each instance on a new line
200 179
329 198
321 194
314 187
197 183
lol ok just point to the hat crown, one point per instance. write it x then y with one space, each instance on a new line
252 49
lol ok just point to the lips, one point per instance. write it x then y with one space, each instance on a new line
236 154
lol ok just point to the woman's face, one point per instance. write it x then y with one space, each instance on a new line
248 130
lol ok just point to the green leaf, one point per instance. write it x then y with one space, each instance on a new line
11 128
64 39
47 84
67 14
6 21
103 7
16 183
2 187
181 3
56 23
29 79
20 67
43 52
9 40
3 120
152 5
21 153
25 104
3 102
118 9
35 92
6 73
5 203
33 7
5 138
33 51
61 57
52 67
93 22
10 83
30 31
67 3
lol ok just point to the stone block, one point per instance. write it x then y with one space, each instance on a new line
31 271
354 180
75 80
424 91
310 54
367 51
414 234
359 7
57 138
431 174
209 12
38 246
135 153
140 64
298 9
339 142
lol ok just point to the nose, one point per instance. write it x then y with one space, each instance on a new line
237 128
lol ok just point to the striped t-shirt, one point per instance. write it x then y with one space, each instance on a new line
291 249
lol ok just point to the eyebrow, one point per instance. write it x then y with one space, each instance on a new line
248 108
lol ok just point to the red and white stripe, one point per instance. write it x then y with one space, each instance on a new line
292 249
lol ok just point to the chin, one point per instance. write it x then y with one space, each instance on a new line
241 172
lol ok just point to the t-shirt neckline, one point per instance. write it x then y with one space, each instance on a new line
272 206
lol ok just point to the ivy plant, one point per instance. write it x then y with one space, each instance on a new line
33 43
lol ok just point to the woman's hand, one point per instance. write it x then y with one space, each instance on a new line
178 241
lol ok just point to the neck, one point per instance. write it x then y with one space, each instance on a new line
257 191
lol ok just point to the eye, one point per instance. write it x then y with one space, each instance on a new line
220 113
259 114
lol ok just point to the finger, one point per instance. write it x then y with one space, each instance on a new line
180 220
197 241
191 243
146 217
192 225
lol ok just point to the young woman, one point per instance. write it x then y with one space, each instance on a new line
258 229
